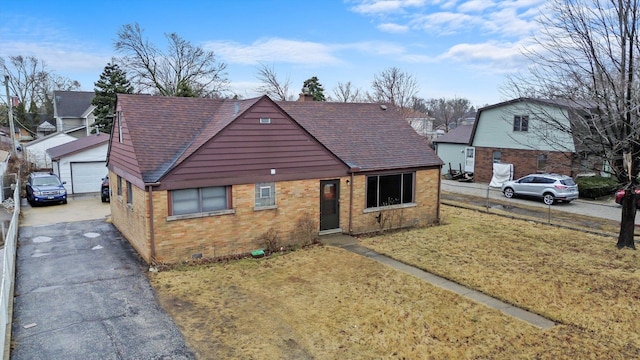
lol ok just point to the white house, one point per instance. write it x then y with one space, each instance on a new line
36 151
453 147
81 163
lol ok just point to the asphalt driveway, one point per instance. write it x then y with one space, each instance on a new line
82 293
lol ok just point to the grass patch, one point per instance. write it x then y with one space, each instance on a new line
326 303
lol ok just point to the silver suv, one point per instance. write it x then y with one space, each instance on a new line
549 187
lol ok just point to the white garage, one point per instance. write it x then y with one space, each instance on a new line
87 177
81 163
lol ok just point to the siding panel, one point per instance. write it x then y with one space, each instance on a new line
248 148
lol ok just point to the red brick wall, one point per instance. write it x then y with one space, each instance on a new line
524 162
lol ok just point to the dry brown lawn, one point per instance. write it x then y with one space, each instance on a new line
327 303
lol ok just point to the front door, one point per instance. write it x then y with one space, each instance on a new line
329 204
469 159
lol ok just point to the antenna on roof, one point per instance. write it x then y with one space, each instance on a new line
383 106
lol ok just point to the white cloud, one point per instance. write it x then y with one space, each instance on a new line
446 22
271 50
393 28
374 47
475 5
59 58
500 57
373 7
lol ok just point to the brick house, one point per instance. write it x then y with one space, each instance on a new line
513 132
208 177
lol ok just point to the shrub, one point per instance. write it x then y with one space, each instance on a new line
596 186
271 240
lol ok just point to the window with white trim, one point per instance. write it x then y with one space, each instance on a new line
521 123
199 200
265 195
497 156
542 162
387 190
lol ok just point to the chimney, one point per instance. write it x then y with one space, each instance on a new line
305 95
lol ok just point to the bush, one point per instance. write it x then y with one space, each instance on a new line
596 186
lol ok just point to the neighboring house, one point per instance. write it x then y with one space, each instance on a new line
512 132
36 151
81 163
73 112
467 119
452 148
420 122
197 178
5 188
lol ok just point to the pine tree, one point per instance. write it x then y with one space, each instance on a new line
112 81
315 89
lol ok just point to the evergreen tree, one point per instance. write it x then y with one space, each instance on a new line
112 81
315 89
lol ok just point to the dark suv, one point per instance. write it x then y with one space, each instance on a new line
44 188
105 194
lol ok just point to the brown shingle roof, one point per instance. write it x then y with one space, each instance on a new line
162 129
458 135
166 130
84 143
364 135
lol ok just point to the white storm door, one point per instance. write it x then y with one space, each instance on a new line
469 159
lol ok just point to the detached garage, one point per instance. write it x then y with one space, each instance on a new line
81 163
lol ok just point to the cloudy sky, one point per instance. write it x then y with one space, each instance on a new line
453 48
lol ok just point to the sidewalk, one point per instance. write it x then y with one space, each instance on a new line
350 243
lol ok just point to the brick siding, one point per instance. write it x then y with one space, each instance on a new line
524 162
242 231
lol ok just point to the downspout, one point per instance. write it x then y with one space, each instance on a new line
351 206
152 237
439 190
352 170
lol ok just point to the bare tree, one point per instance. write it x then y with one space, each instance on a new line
447 111
346 92
586 56
185 70
31 81
395 87
271 85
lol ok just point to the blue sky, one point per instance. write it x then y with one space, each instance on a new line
452 48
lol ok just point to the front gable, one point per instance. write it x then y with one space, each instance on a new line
121 155
263 144
495 127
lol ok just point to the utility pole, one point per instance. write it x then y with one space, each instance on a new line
10 109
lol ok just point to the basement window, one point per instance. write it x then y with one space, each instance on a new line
265 120
265 195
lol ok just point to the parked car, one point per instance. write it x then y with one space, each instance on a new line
620 195
43 187
549 187
105 194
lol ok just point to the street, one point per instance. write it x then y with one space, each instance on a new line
605 208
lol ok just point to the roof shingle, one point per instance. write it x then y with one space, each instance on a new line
165 131
84 143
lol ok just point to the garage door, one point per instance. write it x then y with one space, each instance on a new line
86 177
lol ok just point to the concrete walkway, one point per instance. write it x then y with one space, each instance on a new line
350 243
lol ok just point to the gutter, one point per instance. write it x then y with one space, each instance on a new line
352 171
152 237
